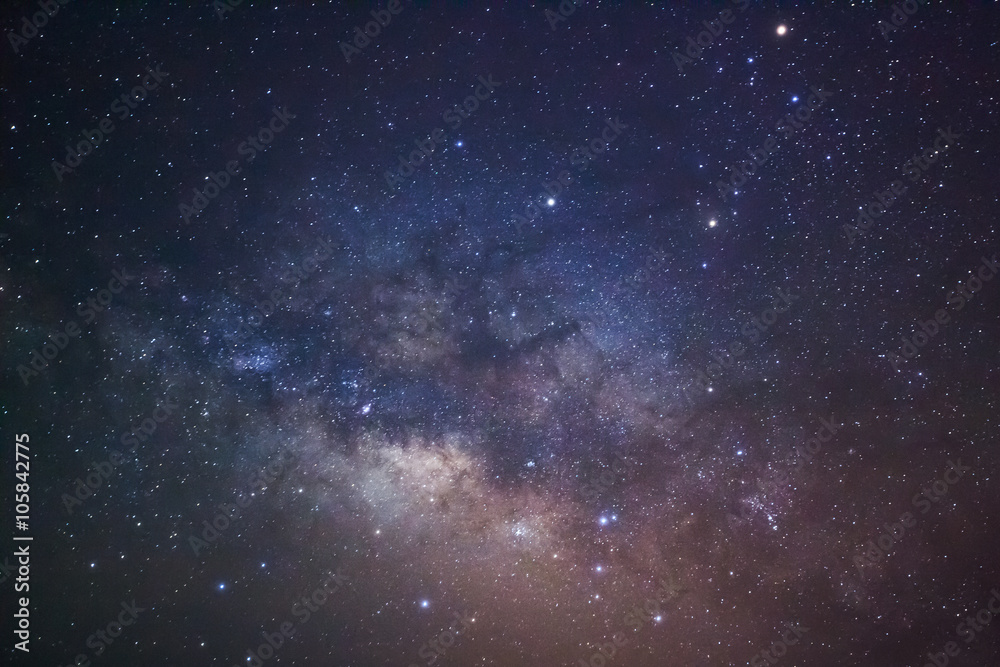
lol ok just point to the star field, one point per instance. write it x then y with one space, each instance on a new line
522 334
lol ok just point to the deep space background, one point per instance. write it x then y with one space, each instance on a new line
452 380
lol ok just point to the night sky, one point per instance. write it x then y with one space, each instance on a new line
523 334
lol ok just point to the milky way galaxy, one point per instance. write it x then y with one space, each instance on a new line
561 333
